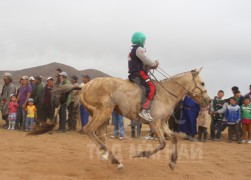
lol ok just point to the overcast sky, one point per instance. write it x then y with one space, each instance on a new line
181 34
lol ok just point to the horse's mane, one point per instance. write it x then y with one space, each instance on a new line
175 76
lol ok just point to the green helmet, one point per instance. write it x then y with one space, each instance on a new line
138 38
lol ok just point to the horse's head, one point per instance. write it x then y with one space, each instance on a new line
197 89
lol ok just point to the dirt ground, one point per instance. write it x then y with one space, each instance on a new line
71 156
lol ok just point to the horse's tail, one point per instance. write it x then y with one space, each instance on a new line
49 127
42 129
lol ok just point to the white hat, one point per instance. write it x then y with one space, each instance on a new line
63 74
7 75
50 78
12 95
31 78
25 77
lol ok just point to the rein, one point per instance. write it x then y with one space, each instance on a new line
162 85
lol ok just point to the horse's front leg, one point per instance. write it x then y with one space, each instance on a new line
162 142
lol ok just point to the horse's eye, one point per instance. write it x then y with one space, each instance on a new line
203 84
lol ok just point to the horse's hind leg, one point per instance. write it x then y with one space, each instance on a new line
159 134
174 155
105 152
97 124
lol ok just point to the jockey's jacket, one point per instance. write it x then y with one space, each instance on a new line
137 59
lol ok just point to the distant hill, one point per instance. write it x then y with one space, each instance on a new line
50 70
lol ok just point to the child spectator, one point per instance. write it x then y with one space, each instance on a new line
202 123
12 106
246 120
233 117
217 119
31 114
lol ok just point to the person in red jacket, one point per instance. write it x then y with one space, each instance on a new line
12 106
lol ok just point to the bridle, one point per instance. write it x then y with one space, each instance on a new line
199 95
191 92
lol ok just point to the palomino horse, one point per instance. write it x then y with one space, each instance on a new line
102 96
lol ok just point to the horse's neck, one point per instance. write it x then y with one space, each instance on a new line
179 85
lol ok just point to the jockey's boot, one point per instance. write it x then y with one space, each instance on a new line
145 114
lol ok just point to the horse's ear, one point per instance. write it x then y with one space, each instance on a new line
198 71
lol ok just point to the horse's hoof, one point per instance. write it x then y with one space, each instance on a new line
120 167
104 156
172 165
138 155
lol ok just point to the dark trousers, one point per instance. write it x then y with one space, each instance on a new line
47 113
72 116
5 118
135 124
240 129
216 125
62 117
40 114
173 125
21 117
224 126
202 131
233 129
149 89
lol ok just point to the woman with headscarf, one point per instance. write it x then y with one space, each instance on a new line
139 64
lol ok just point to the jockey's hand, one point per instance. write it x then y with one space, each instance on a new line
157 64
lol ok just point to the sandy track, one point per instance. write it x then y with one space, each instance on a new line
73 156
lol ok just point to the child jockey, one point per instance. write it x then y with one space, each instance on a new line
139 64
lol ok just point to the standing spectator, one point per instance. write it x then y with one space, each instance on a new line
7 90
233 117
37 98
31 115
190 112
234 89
246 120
64 102
202 123
84 115
46 102
249 94
239 98
217 119
73 106
118 122
12 106
24 93
33 85
58 81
